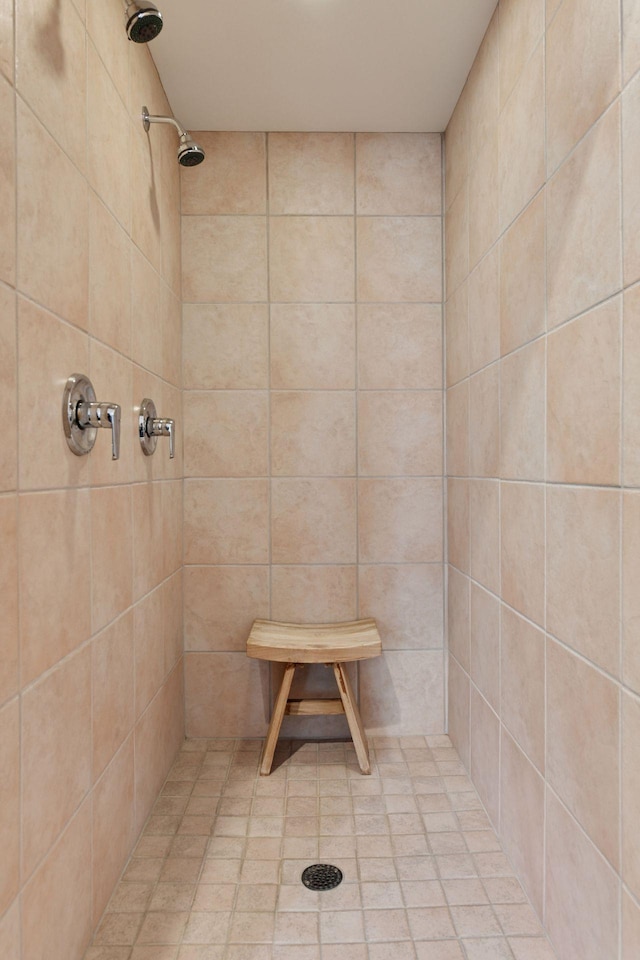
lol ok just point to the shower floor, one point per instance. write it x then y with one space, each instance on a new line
216 873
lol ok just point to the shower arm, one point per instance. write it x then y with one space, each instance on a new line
148 119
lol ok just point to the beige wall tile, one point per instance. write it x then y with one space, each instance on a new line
631 386
6 39
583 928
173 632
313 433
400 520
148 305
485 753
399 259
583 71
458 712
234 178
583 745
224 258
211 711
522 817
456 149
484 532
113 826
457 435
112 690
406 602
52 525
108 130
522 410
459 617
147 538
56 754
630 792
226 521
522 278
401 692
311 173
314 594
145 162
312 346
484 196
51 74
522 128
484 88
148 643
10 932
220 605
225 347
109 279
458 523
630 926
484 661
313 520
53 222
9 591
457 335
484 423
311 259
225 434
10 803
583 572
583 223
520 27
583 399
456 234
399 346
630 38
484 311
522 657
400 433
8 177
56 903
631 600
104 23
50 351
399 174
631 205
111 553
522 548
8 393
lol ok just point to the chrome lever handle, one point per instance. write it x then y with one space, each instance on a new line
91 414
163 427
83 416
150 427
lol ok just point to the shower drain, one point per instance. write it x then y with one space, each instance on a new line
321 876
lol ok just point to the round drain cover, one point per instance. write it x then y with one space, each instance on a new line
321 876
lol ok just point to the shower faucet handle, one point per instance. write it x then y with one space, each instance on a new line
83 416
150 427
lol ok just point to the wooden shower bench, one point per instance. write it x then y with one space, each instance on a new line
333 644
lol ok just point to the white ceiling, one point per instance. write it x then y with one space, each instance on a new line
355 65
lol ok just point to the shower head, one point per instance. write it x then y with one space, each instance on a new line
144 21
189 153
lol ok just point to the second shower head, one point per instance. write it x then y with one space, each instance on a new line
143 21
189 153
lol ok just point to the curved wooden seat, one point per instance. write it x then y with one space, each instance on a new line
314 642
330 643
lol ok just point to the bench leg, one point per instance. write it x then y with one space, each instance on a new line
353 717
276 720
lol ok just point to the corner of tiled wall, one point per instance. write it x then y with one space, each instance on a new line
91 688
543 429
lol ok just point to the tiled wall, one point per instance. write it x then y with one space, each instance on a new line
312 367
543 434
90 555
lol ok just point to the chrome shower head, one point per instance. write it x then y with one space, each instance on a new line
144 21
189 153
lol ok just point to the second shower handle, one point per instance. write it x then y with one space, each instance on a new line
150 427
